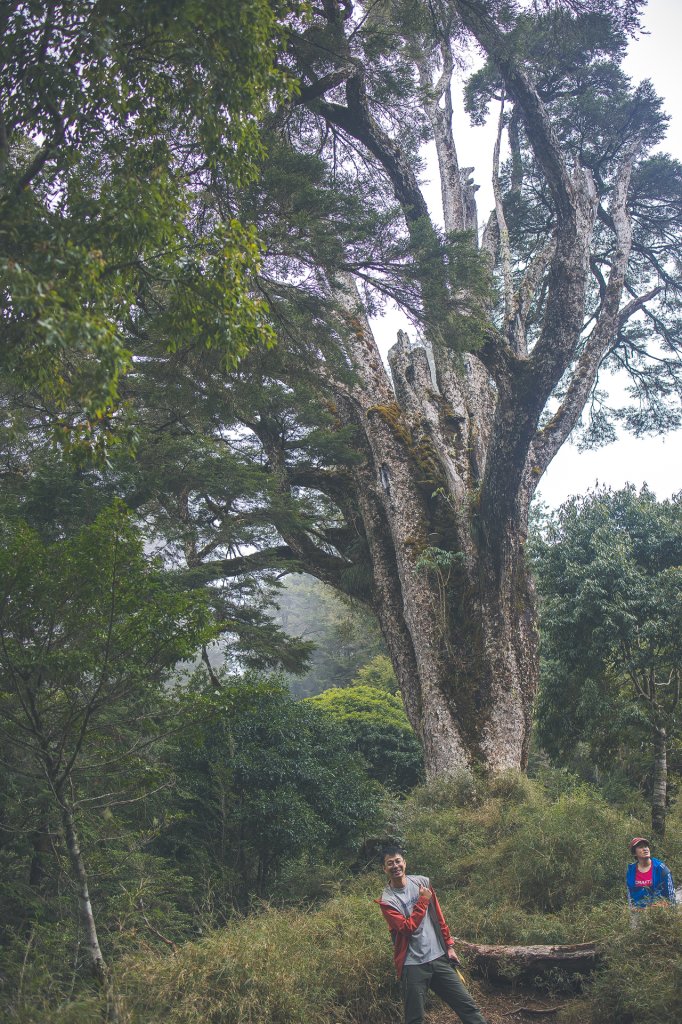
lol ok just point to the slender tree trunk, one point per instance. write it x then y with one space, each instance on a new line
660 784
98 965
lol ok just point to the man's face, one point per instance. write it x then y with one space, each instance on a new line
642 851
394 866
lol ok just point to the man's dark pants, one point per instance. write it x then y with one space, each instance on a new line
440 976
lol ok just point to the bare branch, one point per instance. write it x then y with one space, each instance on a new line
503 231
543 138
441 124
547 443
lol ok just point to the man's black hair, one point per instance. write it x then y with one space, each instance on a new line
390 850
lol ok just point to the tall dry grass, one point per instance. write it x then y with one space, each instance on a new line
278 967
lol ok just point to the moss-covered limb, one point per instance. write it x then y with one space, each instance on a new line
420 449
393 416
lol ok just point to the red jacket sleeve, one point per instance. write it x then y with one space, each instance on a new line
398 923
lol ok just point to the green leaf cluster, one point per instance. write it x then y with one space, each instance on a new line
610 579
114 117
263 779
378 725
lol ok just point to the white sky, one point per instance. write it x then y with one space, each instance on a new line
656 461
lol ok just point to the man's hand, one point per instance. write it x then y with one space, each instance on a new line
452 955
424 893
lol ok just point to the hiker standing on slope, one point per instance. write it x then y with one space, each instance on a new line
648 879
422 944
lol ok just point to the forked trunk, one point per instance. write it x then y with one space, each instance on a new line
475 408
454 598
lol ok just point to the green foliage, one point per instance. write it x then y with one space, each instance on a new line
114 117
538 851
376 721
140 900
518 861
264 779
90 627
641 980
447 267
608 570
377 673
311 968
498 852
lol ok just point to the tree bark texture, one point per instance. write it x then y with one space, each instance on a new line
512 962
457 613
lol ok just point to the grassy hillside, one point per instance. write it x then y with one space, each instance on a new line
513 860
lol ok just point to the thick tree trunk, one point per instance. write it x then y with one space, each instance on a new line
456 606
456 443
471 695
660 782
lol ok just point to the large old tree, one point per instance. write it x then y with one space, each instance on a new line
409 488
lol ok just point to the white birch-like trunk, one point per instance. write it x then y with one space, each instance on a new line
660 782
98 966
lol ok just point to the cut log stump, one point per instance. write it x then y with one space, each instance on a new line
508 962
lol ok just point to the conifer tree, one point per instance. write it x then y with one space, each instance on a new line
410 490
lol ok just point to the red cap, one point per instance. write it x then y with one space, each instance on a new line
637 840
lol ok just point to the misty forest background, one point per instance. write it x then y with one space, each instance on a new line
264 607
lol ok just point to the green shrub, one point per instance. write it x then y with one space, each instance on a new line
514 861
641 980
376 722
516 845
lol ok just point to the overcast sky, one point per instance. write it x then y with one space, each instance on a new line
656 461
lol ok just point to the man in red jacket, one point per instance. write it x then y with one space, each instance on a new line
423 948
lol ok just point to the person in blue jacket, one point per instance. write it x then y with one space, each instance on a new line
648 879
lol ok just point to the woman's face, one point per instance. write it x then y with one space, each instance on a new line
642 851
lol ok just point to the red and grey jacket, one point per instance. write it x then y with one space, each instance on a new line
402 928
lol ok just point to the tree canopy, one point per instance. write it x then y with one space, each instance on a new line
89 631
410 490
610 574
113 118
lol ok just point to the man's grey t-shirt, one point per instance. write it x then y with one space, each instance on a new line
425 943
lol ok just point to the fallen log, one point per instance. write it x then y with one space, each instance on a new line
507 962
